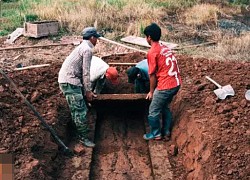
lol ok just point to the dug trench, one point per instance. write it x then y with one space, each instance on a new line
210 137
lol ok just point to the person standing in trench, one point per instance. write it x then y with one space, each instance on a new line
165 81
74 82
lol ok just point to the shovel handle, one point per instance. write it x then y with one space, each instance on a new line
52 131
219 86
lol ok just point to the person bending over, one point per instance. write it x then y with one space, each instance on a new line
138 75
101 75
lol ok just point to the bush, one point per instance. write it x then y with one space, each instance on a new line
245 2
9 0
201 14
31 17
3 32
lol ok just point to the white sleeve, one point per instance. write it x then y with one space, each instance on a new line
98 68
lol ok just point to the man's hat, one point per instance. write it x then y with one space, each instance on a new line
90 31
112 75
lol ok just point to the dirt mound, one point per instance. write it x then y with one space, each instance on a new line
211 135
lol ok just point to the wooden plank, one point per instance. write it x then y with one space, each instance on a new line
122 64
103 97
35 46
142 42
196 45
116 54
31 67
122 45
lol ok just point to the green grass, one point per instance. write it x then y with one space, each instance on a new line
119 16
241 2
73 15
14 13
173 4
10 17
117 3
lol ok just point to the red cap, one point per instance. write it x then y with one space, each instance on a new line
112 75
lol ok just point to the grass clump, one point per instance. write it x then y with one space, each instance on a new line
235 46
123 16
241 2
201 14
173 5
120 16
31 17
228 48
10 17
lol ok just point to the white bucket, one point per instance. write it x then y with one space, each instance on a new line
247 95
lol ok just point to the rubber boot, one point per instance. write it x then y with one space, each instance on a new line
155 130
166 124
86 142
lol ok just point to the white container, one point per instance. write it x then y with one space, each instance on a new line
247 95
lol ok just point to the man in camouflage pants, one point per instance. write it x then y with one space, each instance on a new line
74 82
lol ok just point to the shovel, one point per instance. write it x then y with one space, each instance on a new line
247 95
66 150
223 91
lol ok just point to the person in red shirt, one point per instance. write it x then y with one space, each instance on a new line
165 82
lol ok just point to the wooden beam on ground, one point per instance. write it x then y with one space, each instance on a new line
116 54
142 42
195 45
31 67
35 46
122 45
122 64
104 97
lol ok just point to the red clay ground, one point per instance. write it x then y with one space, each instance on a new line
210 138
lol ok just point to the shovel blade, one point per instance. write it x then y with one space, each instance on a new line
247 95
224 91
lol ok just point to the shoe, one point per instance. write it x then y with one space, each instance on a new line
86 142
167 136
150 136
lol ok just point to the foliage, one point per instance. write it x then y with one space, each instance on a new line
10 17
173 4
3 32
117 3
120 16
201 14
228 48
240 2
9 0
115 15
117 18
31 17
236 45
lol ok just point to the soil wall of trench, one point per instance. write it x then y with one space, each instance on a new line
210 137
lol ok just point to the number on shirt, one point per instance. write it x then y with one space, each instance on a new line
172 61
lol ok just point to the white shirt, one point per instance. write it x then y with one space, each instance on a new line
98 69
